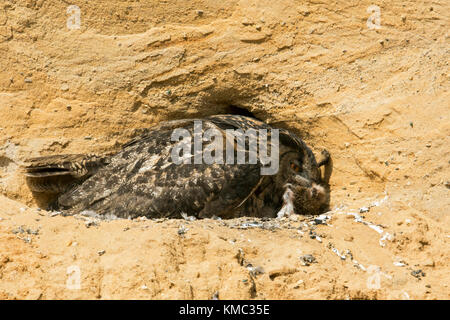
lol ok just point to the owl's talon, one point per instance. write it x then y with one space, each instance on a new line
286 211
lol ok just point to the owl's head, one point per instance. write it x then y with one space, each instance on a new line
307 189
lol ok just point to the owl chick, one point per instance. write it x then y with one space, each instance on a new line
215 166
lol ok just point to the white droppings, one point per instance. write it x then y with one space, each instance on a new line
386 236
358 265
336 251
378 229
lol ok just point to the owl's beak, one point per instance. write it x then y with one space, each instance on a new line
316 191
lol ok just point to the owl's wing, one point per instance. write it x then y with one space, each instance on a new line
287 138
142 180
227 121
163 126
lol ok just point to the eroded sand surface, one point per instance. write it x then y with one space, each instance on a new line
378 100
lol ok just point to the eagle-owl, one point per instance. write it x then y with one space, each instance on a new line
143 180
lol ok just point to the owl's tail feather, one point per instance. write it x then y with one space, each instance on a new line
56 174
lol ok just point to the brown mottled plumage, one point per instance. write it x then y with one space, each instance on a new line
141 179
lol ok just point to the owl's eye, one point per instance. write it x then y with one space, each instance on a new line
295 167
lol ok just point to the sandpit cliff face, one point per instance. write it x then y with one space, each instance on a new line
370 84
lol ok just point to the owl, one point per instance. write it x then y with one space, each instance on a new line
223 166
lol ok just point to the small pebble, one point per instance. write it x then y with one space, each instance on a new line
418 274
254 271
18 230
73 244
298 284
90 223
182 230
307 259
348 238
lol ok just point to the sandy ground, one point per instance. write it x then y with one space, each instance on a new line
377 99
